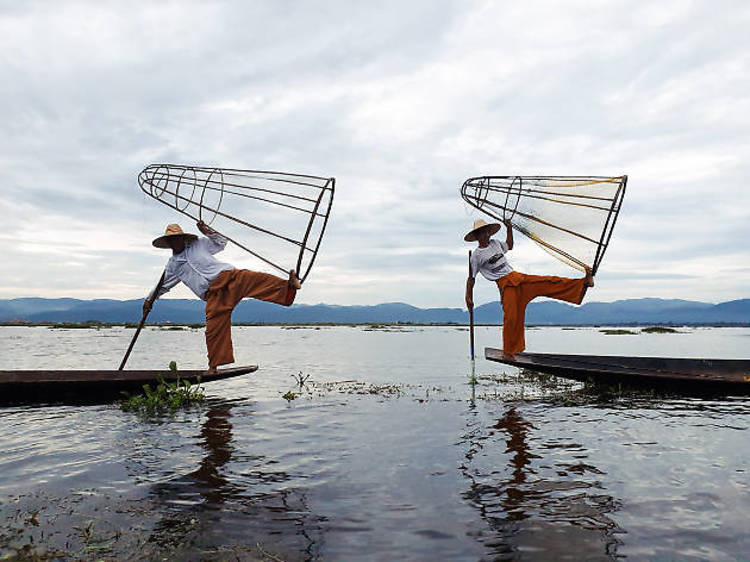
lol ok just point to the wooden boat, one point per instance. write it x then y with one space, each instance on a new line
94 385
710 375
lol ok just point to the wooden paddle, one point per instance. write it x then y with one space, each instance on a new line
143 321
471 331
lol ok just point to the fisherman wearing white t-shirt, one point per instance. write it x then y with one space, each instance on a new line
516 289
490 261
219 284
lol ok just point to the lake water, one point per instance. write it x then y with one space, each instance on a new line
387 453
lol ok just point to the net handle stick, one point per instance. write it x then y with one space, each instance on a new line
140 325
471 329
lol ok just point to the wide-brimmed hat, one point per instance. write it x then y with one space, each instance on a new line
479 224
172 230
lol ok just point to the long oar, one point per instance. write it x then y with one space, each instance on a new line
471 333
143 321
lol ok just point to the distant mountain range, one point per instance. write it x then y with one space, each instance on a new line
634 311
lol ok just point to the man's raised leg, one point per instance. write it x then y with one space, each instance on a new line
262 286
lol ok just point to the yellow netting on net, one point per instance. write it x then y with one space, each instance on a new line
572 217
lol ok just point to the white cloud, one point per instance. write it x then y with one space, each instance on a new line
401 102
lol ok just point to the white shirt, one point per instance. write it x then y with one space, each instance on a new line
195 266
491 261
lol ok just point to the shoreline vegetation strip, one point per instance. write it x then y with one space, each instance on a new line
648 327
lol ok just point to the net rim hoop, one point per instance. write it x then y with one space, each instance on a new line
177 190
203 193
332 182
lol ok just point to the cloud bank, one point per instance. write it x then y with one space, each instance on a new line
400 102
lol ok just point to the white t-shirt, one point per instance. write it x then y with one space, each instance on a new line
491 261
195 266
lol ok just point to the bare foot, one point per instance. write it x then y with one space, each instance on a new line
589 278
294 281
509 357
210 371
588 281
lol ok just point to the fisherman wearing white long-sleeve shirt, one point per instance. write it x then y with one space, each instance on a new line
219 284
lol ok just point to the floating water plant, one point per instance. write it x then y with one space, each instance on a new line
289 395
166 396
358 387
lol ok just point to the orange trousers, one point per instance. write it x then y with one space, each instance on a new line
226 291
519 289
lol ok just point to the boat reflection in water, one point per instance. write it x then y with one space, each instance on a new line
212 510
533 509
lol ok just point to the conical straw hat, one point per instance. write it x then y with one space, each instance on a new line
172 230
479 224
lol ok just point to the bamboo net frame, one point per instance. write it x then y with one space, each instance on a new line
278 217
571 217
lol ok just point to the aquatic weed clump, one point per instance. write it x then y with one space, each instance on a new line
362 388
660 330
289 395
89 325
165 397
521 385
618 332
300 381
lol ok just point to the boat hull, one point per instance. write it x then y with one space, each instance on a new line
677 373
40 386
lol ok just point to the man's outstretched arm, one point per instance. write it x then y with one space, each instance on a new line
215 242
508 234
469 293
167 281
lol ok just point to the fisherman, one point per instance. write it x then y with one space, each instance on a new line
219 284
516 289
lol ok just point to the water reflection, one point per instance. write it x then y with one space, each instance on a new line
539 506
206 485
540 478
516 429
212 511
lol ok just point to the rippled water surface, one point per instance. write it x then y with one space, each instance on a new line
386 454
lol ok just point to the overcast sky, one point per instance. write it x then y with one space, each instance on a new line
400 102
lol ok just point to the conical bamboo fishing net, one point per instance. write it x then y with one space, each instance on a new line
569 216
277 217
